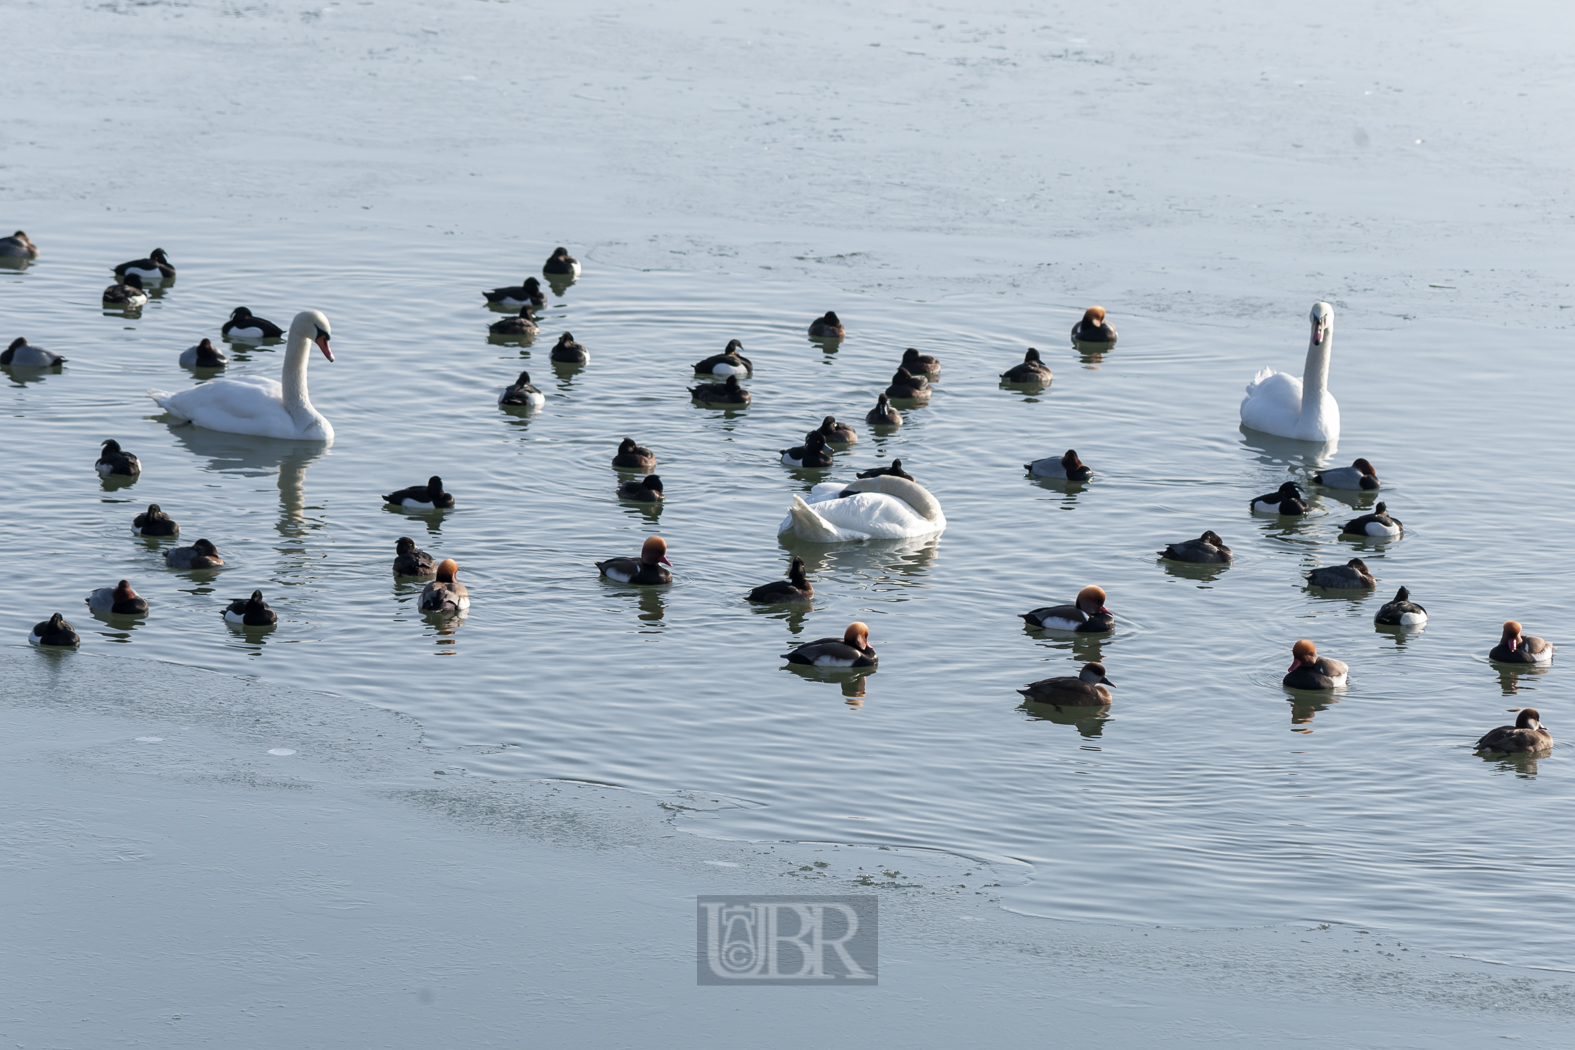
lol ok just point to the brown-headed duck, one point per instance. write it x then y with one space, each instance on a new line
1310 671
851 650
632 456
728 394
113 460
1207 549
1359 475
646 490
1090 688
883 415
561 264
200 555
1093 328
1516 648
826 327
1526 735
1065 467
445 594
119 600
409 560
644 571
1086 615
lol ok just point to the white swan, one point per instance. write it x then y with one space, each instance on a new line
880 508
1282 405
258 406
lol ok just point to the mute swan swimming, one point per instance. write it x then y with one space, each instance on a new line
879 508
257 406
1282 405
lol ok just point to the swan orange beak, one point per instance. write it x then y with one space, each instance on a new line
322 344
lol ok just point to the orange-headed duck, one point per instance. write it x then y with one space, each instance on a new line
1087 615
1310 671
1516 648
200 555
445 594
1090 688
1527 734
644 571
120 600
851 650
796 588
1093 328
1359 475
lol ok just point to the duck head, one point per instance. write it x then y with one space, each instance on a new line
158 255
1289 491
256 600
732 383
1359 565
827 425
240 313
560 253
1402 595
1365 467
882 403
1094 316
111 448
910 356
732 348
796 572
205 548
857 635
626 445
527 312
1070 462
565 339
1322 318
58 622
1303 653
654 550
434 487
20 340
123 591
447 569
1031 357
652 482
1529 718
830 318
1381 511
532 286
405 545
1094 674
1511 635
206 351
814 441
524 381
1092 600
133 281
155 511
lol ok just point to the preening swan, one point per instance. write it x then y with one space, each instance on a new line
1282 405
257 406
879 508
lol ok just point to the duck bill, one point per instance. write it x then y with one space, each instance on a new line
322 344
1105 681
664 560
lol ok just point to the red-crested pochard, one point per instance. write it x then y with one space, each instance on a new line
644 571
1310 671
1087 615
851 650
1516 648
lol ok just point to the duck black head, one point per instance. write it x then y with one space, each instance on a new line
1094 674
733 347
1031 357
132 280
18 341
159 256
796 572
814 441
404 545
1210 536
240 313
1290 491
256 600
524 381
111 447
830 318
910 356
435 485
1529 718
626 445
652 482
1402 595
732 382
1381 510
532 286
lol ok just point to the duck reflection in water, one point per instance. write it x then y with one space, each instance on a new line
853 682
1510 678
1306 705
912 558
1088 721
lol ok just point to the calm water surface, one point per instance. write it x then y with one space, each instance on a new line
1209 796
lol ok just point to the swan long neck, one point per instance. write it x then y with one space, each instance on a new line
1315 375
297 354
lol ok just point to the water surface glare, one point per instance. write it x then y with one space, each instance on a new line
1209 796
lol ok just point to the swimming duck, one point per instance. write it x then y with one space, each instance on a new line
883 415
566 351
1207 549
154 522
811 455
1402 612
851 650
1281 404
826 327
250 612
1359 475
243 324
22 354
1352 576
445 594
54 632
127 294
119 600
633 457
527 294
561 264
18 246
203 355
422 497
878 508
1515 648
522 393
904 384
728 394
409 560
1093 328
837 433
1032 370
113 461
1087 615
730 362
647 490
796 588
895 470
200 555
1287 502
920 364
1378 523
524 324
1527 734
1311 671
1065 468
643 571
1089 689
156 267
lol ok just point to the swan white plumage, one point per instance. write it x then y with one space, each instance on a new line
880 508
258 406
1282 405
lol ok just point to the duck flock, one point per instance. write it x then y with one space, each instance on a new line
884 503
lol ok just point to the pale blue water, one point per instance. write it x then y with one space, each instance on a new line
1209 796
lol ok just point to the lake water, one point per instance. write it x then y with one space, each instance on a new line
1209 797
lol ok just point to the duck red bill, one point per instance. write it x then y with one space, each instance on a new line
665 561
322 344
